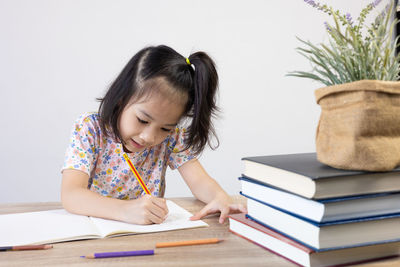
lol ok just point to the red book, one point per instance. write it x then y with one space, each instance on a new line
303 255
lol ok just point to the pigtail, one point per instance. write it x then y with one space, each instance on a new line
204 108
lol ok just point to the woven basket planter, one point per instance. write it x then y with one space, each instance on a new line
359 126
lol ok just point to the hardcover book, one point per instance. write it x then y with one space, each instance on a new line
304 175
322 210
302 255
329 235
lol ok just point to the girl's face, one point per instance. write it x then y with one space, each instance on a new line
147 122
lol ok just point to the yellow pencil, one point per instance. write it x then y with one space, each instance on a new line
136 173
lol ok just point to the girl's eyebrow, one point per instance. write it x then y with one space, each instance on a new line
151 118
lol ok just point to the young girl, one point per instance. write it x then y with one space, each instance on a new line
139 116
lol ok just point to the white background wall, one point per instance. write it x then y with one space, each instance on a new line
56 57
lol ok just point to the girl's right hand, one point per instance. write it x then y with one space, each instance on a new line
145 210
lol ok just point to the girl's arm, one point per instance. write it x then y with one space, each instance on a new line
207 190
77 198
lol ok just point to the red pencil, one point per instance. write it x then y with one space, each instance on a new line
28 247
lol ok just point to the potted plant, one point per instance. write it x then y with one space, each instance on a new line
359 126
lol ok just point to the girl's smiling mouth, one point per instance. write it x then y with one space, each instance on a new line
136 145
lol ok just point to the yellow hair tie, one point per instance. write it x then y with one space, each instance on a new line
188 61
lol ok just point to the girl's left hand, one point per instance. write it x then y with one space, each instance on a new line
222 203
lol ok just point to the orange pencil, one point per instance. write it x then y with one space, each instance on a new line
188 242
136 173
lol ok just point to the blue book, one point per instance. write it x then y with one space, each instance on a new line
322 210
326 235
304 175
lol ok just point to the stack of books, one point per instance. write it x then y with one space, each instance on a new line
315 215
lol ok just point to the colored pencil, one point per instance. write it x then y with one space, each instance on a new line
188 242
136 173
119 254
29 247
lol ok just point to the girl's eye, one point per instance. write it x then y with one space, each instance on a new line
141 121
166 130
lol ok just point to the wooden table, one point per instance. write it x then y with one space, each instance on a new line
233 251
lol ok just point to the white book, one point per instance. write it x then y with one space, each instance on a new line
322 210
300 254
51 226
320 236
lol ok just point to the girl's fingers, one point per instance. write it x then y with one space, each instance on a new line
224 215
161 203
242 208
208 209
238 208
154 218
233 208
202 213
157 211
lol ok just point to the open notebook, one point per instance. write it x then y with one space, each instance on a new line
51 226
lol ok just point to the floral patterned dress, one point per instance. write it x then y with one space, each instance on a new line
109 174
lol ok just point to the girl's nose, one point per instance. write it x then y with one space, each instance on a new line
148 136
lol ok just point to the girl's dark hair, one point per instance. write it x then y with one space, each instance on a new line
199 80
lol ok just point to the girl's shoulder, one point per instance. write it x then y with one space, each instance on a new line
176 138
88 123
88 118
178 152
178 132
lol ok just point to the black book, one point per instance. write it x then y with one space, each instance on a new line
304 175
